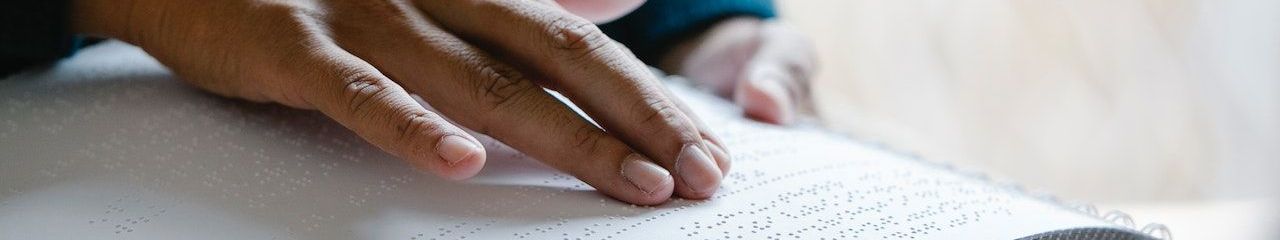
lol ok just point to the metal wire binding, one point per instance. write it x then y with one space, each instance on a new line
1121 218
1089 209
1158 230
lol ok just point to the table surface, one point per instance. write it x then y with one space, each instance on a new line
1167 109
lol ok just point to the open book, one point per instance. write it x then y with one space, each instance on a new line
109 146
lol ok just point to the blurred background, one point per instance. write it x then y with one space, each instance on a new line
1166 109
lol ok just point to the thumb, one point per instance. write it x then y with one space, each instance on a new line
765 94
774 86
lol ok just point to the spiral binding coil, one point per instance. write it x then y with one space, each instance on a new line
1154 230
1157 230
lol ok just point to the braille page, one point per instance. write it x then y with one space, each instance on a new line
109 146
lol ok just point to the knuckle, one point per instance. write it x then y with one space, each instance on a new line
589 143
663 119
587 138
362 90
656 110
501 86
576 36
413 125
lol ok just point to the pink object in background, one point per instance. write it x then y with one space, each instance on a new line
600 11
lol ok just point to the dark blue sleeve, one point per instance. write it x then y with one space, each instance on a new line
654 28
34 32
38 31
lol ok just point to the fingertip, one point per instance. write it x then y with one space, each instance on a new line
656 198
765 100
659 196
654 183
694 195
721 156
699 174
454 149
463 169
458 158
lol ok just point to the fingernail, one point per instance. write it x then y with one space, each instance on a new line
454 149
698 170
644 174
721 156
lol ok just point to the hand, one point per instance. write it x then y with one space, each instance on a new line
482 64
764 66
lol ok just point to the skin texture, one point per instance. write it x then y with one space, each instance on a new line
481 65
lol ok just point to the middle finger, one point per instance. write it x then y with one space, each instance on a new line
489 97
605 79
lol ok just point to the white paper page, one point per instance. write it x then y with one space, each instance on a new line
109 146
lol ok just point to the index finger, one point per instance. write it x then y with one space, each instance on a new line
605 79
